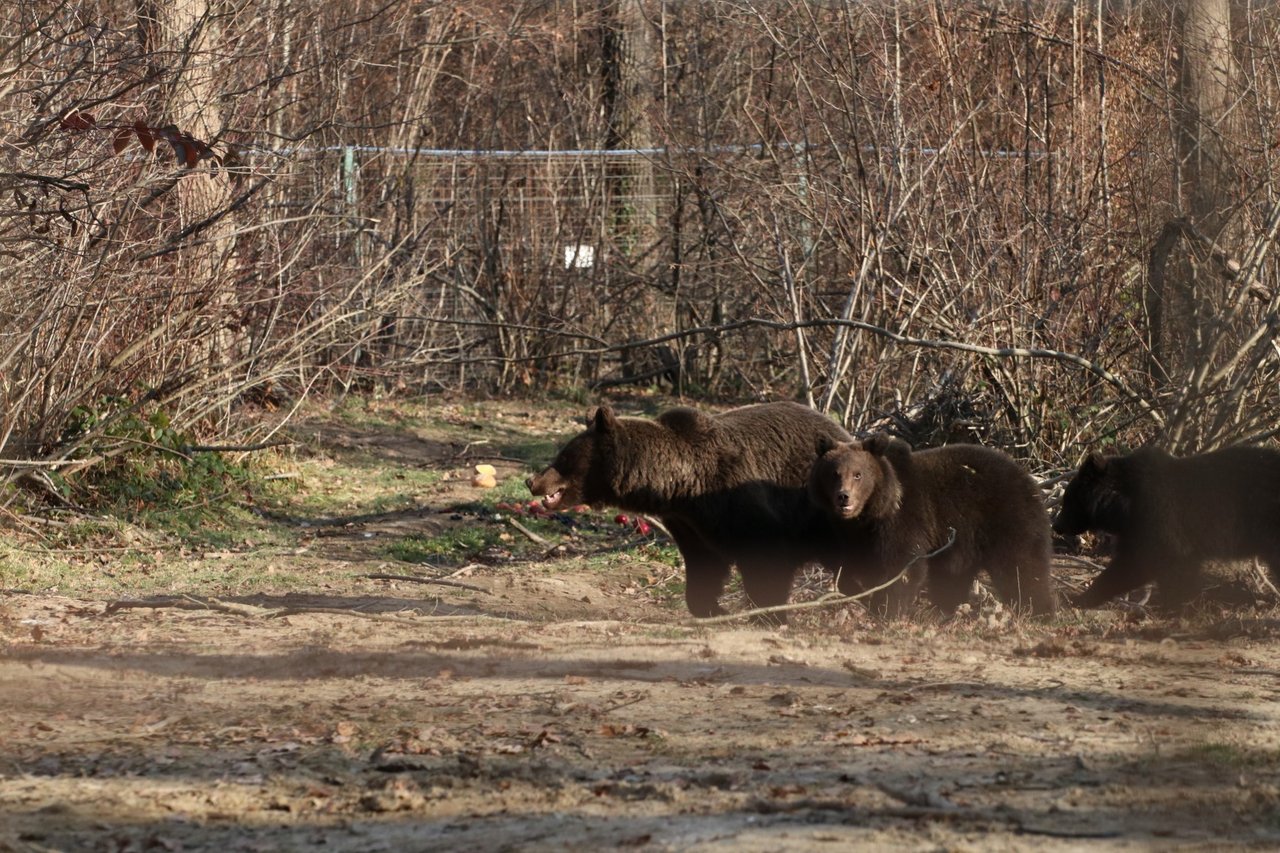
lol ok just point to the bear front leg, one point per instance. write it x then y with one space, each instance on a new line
705 571
949 586
768 584
898 599
867 572
703 584
1126 573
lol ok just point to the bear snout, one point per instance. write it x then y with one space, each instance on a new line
846 505
1065 524
539 484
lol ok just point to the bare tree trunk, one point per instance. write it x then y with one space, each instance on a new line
630 81
1185 294
189 31
629 65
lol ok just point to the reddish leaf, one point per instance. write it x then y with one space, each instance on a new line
121 139
145 136
173 136
76 120
190 153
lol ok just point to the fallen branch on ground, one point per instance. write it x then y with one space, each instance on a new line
831 598
533 537
253 612
189 603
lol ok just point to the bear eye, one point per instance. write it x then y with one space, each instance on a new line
857 476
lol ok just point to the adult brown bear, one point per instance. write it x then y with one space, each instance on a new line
893 505
729 487
1169 515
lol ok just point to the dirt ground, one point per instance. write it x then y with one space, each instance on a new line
566 702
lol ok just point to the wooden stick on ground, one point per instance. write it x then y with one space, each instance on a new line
420 579
831 598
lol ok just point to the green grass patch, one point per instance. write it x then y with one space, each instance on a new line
537 453
371 413
1229 756
166 518
331 489
452 548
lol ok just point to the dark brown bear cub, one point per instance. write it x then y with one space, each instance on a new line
729 487
893 504
1170 515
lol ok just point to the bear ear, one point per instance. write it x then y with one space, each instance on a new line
877 443
604 419
884 444
1094 463
825 445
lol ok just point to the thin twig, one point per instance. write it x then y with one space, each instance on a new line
420 579
1264 579
235 448
385 617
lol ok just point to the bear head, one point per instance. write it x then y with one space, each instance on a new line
857 480
580 473
1095 499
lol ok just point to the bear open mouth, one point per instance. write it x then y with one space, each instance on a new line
552 500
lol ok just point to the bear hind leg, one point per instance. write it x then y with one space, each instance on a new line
1023 580
1179 583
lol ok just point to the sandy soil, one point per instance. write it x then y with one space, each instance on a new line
563 704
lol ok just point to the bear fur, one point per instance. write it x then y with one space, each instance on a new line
1170 515
892 504
730 488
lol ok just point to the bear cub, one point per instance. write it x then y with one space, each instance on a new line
892 504
730 488
1170 515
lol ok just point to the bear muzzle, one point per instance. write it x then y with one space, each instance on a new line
1064 525
845 507
549 486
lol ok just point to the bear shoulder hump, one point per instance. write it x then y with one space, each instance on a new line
685 421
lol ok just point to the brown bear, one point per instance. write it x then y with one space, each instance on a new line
893 504
729 487
1169 515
